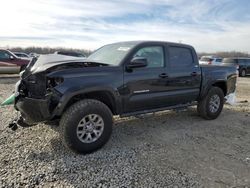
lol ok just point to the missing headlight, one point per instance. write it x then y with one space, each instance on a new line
53 82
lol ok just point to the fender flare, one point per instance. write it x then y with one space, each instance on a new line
67 96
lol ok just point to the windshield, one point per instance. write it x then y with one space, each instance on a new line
229 61
111 54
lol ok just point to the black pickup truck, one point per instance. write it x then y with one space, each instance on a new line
126 79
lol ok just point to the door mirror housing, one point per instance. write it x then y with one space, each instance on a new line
137 62
11 57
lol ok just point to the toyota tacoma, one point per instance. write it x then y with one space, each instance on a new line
125 79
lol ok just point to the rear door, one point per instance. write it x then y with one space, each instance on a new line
184 75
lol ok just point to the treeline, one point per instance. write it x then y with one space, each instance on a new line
47 50
226 54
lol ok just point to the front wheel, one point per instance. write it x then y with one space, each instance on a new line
86 126
211 105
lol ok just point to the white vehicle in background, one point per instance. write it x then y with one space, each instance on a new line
34 55
210 60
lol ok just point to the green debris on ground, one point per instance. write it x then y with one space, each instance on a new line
10 100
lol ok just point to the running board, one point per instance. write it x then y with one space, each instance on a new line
179 106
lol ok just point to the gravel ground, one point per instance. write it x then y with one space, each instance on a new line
167 149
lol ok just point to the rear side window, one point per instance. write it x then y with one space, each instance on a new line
180 57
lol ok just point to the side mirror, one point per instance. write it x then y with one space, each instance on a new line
137 62
11 57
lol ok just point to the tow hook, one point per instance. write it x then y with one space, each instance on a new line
13 125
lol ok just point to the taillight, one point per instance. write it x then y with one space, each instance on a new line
210 62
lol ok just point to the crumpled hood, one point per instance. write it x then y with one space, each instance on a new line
45 62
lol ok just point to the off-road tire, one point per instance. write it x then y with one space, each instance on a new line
203 105
71 118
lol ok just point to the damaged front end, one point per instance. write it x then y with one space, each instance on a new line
36 94
36 98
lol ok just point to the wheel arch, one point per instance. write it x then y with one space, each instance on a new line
219 83
105 96
222 85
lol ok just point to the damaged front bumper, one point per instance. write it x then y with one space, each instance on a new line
34 108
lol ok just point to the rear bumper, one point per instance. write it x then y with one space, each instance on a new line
33 110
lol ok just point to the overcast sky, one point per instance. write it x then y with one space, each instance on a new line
208 25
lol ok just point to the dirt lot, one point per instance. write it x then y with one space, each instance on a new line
167 149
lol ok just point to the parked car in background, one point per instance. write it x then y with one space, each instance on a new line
70 53
210 60
242 64
10 63
21 54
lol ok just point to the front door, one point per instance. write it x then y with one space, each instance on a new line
144 88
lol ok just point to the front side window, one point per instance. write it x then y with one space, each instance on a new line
4 55
154 55
180 57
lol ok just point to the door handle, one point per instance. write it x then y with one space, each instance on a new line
193 74
163 75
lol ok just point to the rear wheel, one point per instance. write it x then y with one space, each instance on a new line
243 73
86 126
211 105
